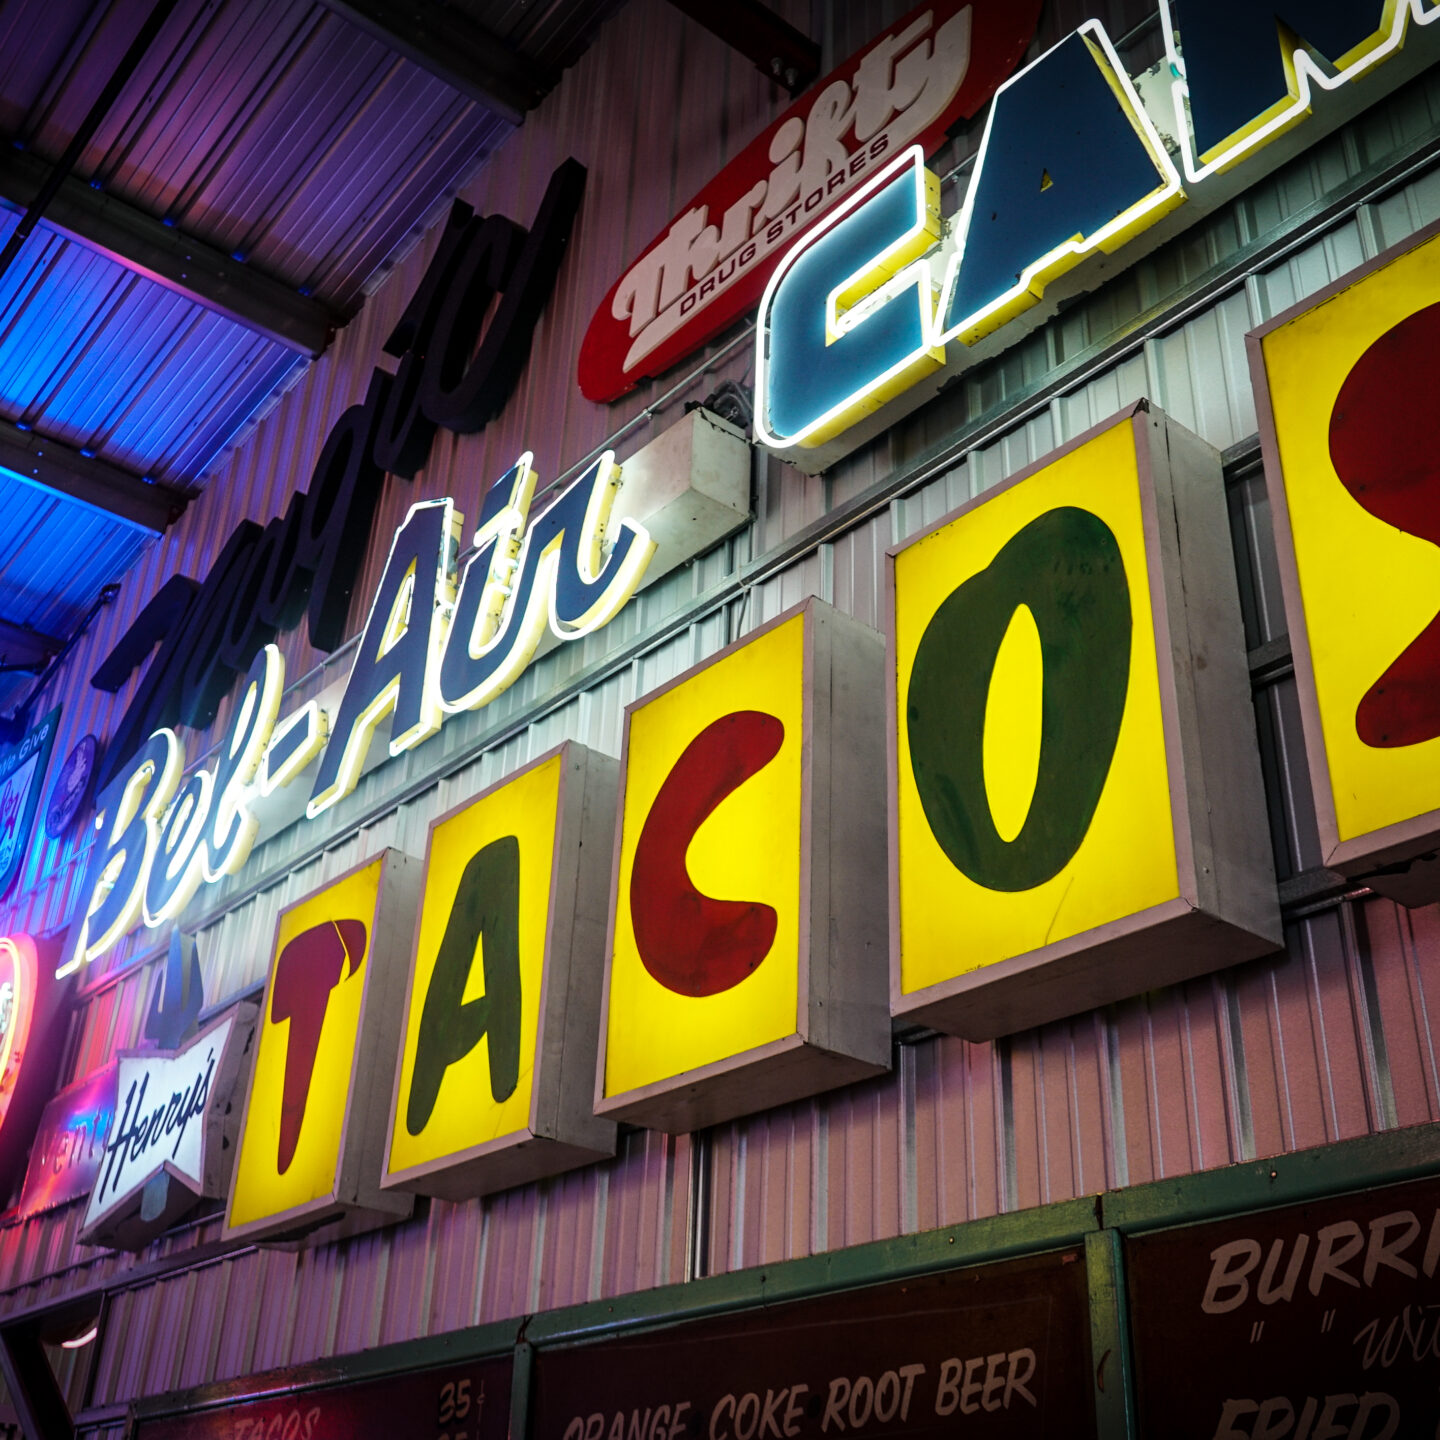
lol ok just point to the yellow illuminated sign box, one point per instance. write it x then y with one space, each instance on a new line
502 1008
1076 803
1347 422
747 935
313 1133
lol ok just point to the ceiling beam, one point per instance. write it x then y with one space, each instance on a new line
22 648
141 243
456 49
107 487
774 46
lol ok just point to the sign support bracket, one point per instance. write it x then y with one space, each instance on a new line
521 1375
775 47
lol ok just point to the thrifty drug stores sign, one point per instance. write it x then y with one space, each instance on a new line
909 86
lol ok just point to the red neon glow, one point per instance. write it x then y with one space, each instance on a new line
19 973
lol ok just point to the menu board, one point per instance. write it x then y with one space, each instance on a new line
457 1402
997 1350
1319 1320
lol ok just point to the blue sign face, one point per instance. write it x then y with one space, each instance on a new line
1239 88
837 351
22 775
1070 166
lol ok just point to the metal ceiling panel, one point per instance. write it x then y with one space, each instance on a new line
108 362
34 40
272 129
55 556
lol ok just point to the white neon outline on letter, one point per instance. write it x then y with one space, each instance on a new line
361 734
914 156
520 634
1305 69
508 529
590 556
1156 199
158 794
189 851
442 606
317 724
228 853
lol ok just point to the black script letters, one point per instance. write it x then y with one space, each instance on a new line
139 1132
465 394
454 370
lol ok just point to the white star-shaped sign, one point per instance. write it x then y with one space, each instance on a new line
170 1111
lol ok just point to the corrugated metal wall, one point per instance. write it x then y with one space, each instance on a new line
1333 1038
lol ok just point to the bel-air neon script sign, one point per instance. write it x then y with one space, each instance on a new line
436 643
884 293
457 371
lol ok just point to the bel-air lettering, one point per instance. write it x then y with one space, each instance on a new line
431 647
265 580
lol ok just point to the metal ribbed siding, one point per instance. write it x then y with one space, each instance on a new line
589 1234
110 363
1337 1037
